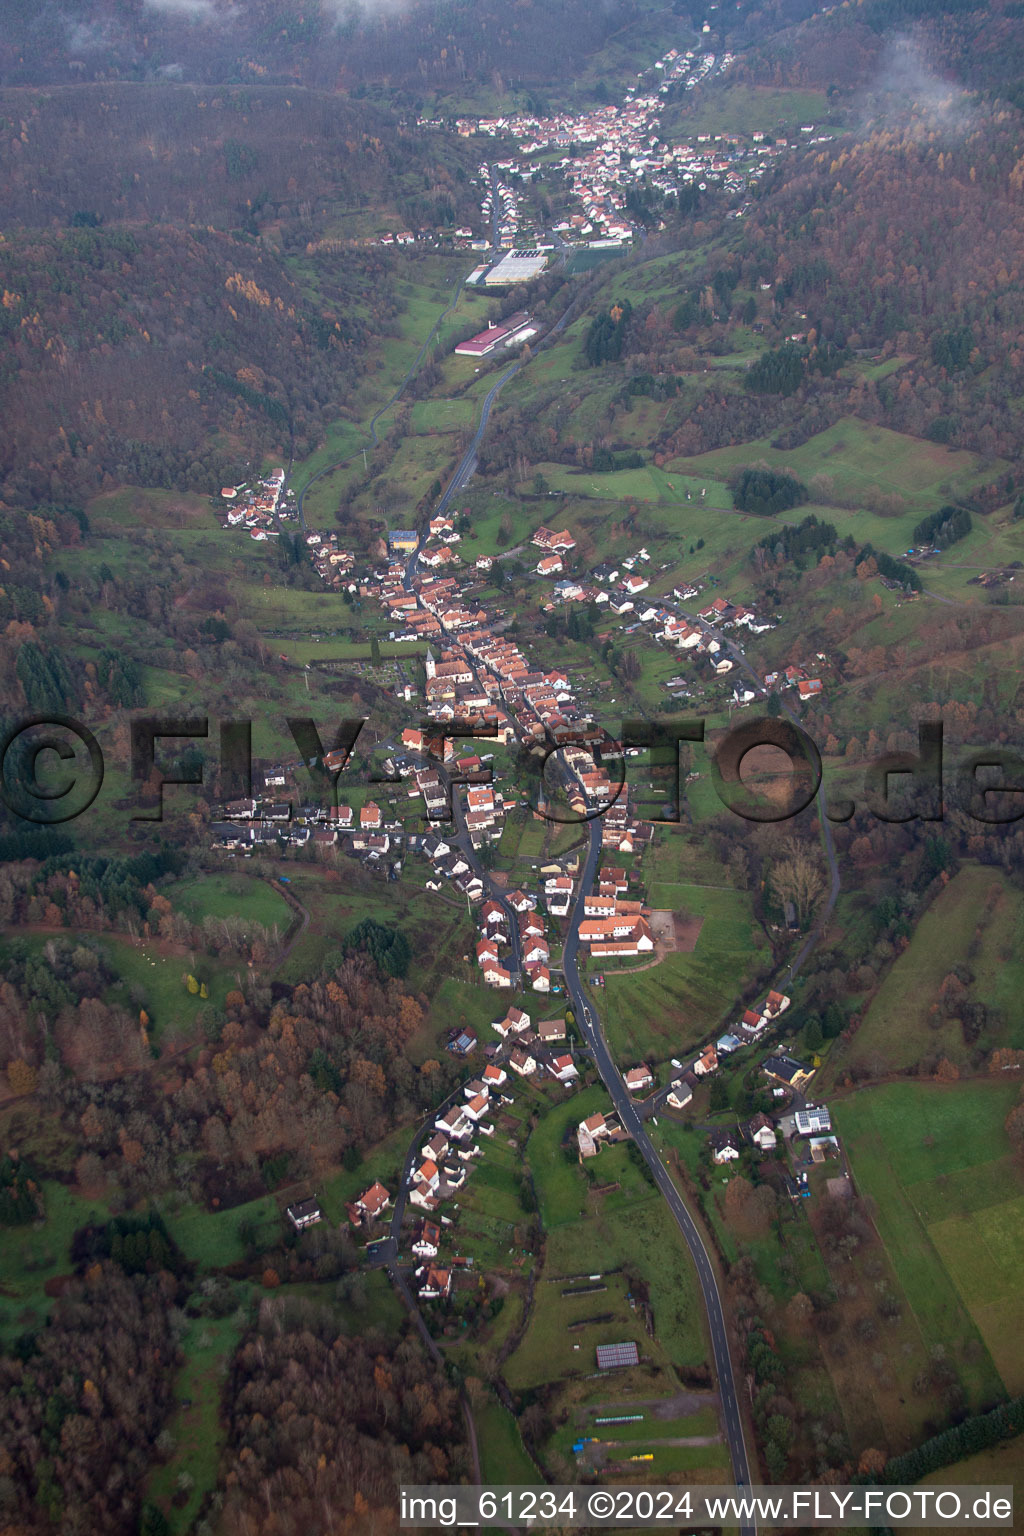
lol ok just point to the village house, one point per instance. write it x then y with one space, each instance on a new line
707 1062
374 1202
427 1173
305 1213
453 1176
786 1070
598 1124
813 1120
426 1240
638 1078
477 1107
545 538
432 1283
487 953
725 1146
453 1123
522 1063
760 1132
679 1095
514 1022
535 952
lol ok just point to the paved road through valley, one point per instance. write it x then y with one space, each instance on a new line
590 1027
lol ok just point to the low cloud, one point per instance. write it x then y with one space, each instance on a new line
910 92
86 36
366 10
199 10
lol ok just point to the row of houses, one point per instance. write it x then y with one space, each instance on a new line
752 1026
535 1050
812 1125
254 507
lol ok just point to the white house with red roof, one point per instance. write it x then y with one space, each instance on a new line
373 1202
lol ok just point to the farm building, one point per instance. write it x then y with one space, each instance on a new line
612 1357
485 342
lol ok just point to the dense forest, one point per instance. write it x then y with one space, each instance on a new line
242 158
156 287
125 352
308 1079
82 1402
317 42
322 1427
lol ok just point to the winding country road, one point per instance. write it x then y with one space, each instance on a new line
590 1027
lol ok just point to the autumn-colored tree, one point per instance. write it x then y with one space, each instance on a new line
799 877
89 1173
953 995
22 1077
91 1123
1014 1126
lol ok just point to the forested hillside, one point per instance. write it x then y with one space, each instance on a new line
125 352
319 1422
252 159
312 41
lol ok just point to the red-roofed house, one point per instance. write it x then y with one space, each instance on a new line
375 1200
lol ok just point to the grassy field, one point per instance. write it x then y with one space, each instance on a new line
934 1161
442 415
657 1013
198 1431
502 1457
147 975
1002 1465
859 457
900 1026
34 1254
613 1223
730 108
233 895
